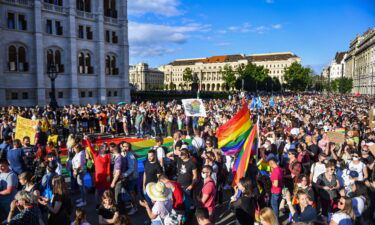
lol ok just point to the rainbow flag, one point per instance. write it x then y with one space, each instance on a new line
233 134
243 160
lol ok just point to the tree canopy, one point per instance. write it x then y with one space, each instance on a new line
297 77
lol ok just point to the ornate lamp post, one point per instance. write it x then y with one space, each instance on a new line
52 74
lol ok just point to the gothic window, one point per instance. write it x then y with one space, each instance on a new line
17 59
11 21
110 8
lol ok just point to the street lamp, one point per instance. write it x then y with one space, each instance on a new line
52 74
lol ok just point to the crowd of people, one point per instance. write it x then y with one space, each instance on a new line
299 175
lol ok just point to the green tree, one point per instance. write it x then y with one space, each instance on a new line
172 86
297 77
187 75
229 77
255 77
345 85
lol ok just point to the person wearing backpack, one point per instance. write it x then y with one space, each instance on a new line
161 152
60 206
162 202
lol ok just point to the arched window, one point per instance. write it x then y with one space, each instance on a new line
110 8
88 68
87 6
17 58
107 65
12 58
49 57
81 63
113 66
57 57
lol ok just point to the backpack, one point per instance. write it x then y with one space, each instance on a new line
48 191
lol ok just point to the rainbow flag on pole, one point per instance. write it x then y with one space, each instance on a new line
243 160
233 134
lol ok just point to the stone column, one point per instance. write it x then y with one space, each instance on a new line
72 51
39 56
100 59
124 44
3 61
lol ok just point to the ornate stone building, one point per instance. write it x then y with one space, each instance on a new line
209 69
87 40
360 63
144 78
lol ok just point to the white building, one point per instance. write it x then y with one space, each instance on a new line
209 70
144 78
336 69
86 39
360 63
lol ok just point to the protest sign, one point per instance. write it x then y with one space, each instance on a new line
194 107
26 127
372 122
336 137
372 149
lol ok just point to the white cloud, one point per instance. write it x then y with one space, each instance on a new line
159 7
155 39
277 26
270 1
223 44
247 28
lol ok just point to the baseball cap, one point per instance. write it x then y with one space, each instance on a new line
353 174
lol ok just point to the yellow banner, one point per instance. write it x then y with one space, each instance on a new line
25 127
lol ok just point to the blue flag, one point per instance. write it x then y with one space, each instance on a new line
272 102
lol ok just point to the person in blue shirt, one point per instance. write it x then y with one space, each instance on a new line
5 147
17 158
303 212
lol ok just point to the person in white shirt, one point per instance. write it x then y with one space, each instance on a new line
198 141
318 168
160 152
78 164
346 214
356 165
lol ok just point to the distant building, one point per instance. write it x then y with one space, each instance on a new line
336 69
360 62
87 40
209 69
144 78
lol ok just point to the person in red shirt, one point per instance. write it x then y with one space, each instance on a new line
102 162
177 192
276 177
208 193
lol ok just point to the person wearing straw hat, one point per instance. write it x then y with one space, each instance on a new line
161 197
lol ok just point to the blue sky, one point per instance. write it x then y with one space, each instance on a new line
163 30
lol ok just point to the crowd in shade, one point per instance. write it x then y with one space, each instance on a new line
298 174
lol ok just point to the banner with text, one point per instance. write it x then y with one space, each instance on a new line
336 137
26 127
194 107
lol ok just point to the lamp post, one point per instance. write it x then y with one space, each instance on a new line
52 74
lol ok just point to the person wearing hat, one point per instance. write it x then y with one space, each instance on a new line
161 197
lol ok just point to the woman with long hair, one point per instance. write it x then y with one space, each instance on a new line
108 211
361 203
27 180
79 169
345 215
245 205
60 205
268 217
80 217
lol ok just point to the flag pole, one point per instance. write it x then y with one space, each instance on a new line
258 139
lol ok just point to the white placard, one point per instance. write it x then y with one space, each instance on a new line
194 107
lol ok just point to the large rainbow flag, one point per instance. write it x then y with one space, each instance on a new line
239 135
233 134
